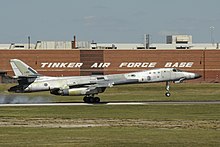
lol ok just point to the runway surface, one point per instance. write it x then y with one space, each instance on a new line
114 103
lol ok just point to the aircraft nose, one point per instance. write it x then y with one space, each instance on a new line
197 76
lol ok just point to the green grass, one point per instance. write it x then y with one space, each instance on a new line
141 125
150 112
200 126
119 136
141 92
155 92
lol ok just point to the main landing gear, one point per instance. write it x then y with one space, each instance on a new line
167 89
91 99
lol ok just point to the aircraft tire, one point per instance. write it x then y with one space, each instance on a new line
96 99
91 100
86 99
167 94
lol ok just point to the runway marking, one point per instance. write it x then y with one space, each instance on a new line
113 103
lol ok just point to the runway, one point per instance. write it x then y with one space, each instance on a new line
114 103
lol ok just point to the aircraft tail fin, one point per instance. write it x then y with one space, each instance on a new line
22 69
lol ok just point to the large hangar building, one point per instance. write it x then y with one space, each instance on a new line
68 58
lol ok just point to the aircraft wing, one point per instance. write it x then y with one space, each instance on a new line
104 82
93 84
118 82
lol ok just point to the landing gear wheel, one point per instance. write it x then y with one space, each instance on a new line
97 99
167 94
86 99
90 99
167 89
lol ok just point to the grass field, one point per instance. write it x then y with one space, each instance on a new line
141 92
107 136
100 125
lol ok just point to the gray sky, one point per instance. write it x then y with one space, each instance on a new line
108 20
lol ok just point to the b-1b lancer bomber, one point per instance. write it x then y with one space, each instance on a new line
29 80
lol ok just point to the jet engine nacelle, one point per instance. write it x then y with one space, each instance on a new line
74 92
79 91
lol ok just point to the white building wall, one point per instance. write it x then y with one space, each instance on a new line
115 46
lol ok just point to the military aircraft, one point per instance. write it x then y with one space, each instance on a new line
29 80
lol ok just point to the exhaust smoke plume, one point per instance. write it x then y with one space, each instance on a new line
15 99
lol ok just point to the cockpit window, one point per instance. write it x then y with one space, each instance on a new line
133 75
176 70
100 78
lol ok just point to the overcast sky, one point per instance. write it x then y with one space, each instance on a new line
108 20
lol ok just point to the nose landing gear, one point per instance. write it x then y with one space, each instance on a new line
167 89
